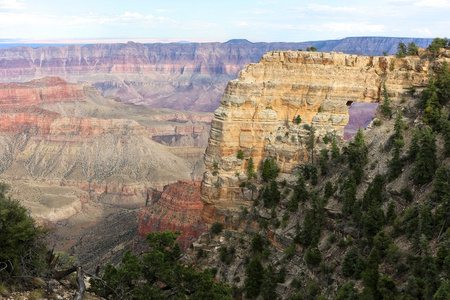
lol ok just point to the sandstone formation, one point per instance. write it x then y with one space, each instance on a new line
66 137
178 207
258 111
181 76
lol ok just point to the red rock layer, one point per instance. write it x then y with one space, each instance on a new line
46 90
179 208
19 104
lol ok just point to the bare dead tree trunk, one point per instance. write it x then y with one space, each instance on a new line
81 286
61 274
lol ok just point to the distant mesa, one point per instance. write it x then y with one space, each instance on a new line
238 41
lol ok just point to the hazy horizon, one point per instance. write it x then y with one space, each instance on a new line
82 22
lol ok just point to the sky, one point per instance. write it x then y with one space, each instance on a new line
88 21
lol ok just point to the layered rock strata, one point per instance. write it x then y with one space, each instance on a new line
259 114
182 76
178 207
67 137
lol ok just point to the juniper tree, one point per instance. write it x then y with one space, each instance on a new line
444 128
349 196
270 169
357 153
412 49
22 246
250 168
159 274
441 187
323 160
335 152
253 278
386 109
443 84
300 193
414 147
371 275
387 288
401 50
269 284
271 195
426 161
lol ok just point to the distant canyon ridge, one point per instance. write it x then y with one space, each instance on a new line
181 76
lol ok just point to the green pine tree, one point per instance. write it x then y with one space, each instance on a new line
426 161
335 151
270 170
253 278
250 168
414 147
386 109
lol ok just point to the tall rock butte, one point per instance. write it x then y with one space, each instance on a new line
258 111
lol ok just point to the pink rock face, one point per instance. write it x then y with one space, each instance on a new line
20 104
179 208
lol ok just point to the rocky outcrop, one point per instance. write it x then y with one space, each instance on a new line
178 207
259 110
182 76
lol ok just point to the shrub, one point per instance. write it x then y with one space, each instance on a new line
407 194
313 257
250 168
240 154
258 243
216 228
22 243
377 122
148 276
289 252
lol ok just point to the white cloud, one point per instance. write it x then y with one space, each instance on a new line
11 5
422 32
347 11
267 2
433 3
17 19
260 11
131 16
352 27
327 8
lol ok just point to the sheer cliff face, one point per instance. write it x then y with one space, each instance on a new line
178 207
258 111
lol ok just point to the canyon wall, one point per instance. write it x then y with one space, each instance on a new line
259 110
66 140
178 207
182 76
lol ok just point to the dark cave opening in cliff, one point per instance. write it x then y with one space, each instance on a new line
360 115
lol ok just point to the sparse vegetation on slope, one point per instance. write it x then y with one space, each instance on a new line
371 222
